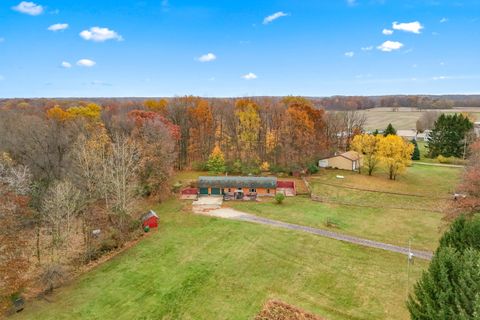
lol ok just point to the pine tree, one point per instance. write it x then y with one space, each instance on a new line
390 130
216 161
449 136
450 288
416 150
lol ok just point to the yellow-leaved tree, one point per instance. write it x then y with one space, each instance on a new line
367 146
216 161
91 112
158 106
395 153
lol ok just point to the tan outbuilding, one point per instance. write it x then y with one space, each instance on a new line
350 160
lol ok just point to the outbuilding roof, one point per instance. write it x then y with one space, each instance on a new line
237 182
148 215
350 155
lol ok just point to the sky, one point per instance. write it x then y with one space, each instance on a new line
163 48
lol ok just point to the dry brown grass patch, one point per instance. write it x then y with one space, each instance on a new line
278 310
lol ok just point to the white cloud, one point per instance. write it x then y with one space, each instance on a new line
249 76
349 54
389 46
351 2
207 57
440 78
98 34
369 48
86 63
387 32
443 20
274 16
30 8
58 27
414 27
66 64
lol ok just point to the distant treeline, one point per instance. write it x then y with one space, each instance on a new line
327 103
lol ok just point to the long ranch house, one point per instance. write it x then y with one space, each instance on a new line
237 187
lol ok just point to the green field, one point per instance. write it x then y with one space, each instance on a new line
198 267
386 217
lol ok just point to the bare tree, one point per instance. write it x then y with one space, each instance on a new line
121 169
427 120
342 127
59 207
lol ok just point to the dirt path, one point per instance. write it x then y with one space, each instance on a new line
228 213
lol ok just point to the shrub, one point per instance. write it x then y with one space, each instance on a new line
237 166
265 167
277 169
52 277
200 166
279 197
176 187
312 168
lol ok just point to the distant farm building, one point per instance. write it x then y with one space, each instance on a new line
237 188
476 129
150 219
407 134
350 160
287 188
414 134
189 194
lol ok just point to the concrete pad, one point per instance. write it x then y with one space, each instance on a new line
204 204
226 213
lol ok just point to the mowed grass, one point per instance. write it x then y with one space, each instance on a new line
386 217
196 267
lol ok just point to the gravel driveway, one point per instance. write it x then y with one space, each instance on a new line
228 213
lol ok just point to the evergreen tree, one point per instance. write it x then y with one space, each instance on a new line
390 130
449 136
416 150
216 161
375 133
450 288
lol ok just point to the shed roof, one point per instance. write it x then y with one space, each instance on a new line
350 155
148 215
237 182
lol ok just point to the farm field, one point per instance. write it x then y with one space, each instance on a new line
386 217
198 267
405 118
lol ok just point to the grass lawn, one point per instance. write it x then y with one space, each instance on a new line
382 218
199 267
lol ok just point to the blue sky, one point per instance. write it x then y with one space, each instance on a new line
238 48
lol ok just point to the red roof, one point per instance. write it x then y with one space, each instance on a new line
190 191
286 184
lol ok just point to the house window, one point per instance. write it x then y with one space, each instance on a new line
268 190
253 190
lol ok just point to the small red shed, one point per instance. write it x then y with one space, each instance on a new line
150 219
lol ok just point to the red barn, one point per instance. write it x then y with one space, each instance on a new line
150 219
